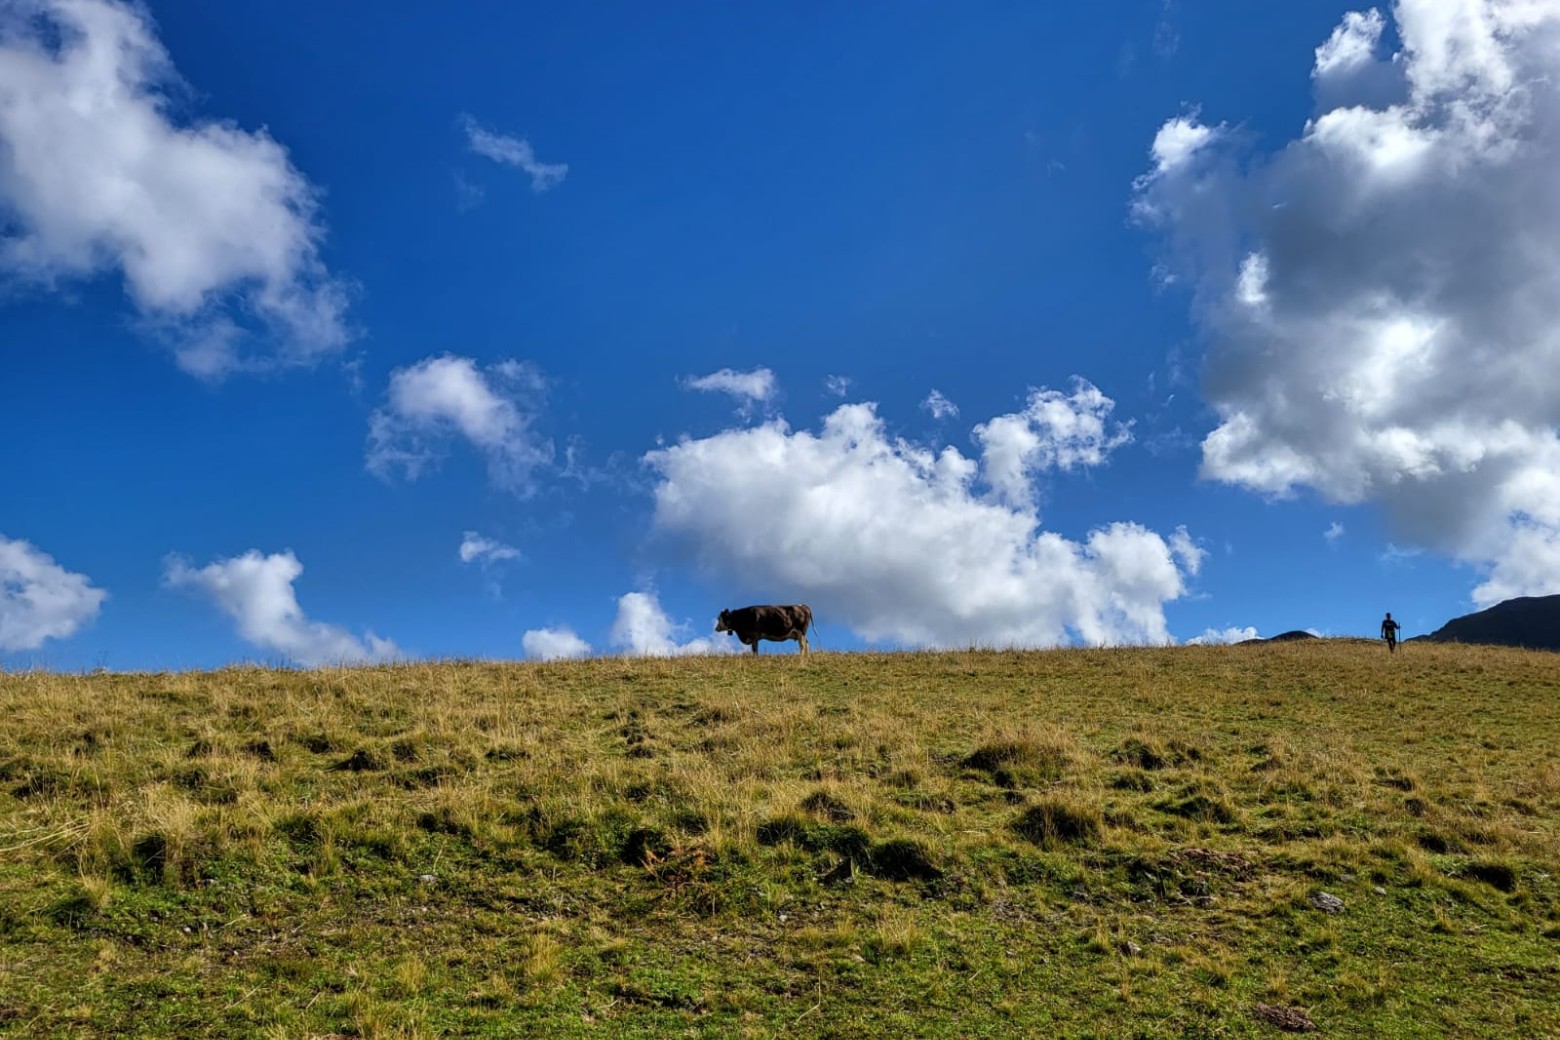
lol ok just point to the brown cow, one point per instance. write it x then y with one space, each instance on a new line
776 624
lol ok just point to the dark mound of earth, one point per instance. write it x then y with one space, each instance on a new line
1529 621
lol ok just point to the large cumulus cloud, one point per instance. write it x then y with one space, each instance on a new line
912 546
211 227
1382 294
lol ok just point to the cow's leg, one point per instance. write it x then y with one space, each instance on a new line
755 648
802 639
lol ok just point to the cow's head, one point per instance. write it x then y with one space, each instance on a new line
721 623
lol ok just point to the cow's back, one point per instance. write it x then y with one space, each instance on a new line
745 619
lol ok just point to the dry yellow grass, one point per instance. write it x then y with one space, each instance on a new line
706 843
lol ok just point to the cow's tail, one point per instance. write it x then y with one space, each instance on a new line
812 624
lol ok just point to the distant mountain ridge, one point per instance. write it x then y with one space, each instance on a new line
1528 621
1290 637
1282 637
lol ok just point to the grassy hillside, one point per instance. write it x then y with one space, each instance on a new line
1121 843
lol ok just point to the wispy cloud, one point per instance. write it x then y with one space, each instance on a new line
1400 554
755 386
474 548
1223 636
1333 533
752 389
1167 38
439 399
939 406
468 196
513 151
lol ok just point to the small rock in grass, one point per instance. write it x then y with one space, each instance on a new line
1131 949
1379 890
426 879
1326 902
1290 1020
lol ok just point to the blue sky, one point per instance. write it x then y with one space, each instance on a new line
333 337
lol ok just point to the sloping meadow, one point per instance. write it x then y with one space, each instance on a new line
1231 841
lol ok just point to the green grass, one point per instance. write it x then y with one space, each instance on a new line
1110 843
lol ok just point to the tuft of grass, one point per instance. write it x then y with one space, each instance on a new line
1054 821
1497 874
895 934
1146 751
1202 800
828 806
540 961
903 859
1022 758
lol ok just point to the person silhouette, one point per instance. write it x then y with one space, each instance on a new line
1389 631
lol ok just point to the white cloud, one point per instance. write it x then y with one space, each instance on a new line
1167 38
207 224
475 548
1400 554
940 406
1333 532
1179 141
39 599
468 196
1352 45
643 630
750 388
1223 636
836 386
1054 431
553 644
1382 295
900 544
513 151
438 399
257 593
1185 549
